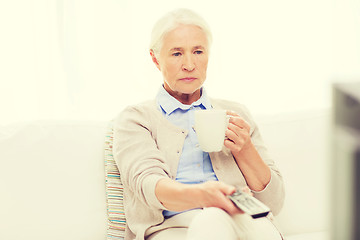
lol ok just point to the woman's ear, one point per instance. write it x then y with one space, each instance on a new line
154 59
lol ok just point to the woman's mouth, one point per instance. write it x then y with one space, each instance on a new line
188 79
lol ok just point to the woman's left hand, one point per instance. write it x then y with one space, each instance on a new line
256 172
237 133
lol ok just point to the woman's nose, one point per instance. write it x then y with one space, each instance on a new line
188 64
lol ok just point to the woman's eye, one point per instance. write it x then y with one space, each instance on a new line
177 54
198 52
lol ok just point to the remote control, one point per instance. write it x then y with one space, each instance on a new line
249 204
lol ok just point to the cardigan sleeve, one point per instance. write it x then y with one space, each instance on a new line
141 164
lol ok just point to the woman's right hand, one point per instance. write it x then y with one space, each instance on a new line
214 194
176 196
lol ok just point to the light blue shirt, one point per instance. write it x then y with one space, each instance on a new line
194 164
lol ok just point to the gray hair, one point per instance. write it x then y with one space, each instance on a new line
172 20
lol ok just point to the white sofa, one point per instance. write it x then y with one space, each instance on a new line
52 180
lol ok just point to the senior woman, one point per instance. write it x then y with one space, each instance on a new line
172 189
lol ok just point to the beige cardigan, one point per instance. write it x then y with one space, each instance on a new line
147 148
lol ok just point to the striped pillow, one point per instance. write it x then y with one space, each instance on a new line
114 192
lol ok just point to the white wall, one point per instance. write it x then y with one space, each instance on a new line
87 59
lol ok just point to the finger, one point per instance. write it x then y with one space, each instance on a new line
227 189
232 209
237 135
229 144
240 122
224 202
234 148
236 118
231 134
237 211
238 131
227 204
232 113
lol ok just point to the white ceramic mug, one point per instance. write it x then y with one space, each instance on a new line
210 127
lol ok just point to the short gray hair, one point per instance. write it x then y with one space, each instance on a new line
172 20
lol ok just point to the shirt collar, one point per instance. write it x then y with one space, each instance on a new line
169 104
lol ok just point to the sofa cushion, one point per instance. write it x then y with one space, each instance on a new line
299 143
114 192
52 182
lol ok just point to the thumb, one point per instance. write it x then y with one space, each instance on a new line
228 189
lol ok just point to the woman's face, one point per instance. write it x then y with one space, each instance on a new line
183 62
